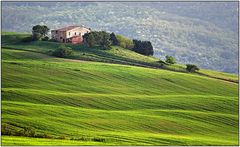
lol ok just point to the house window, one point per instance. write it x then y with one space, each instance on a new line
60 37
69 33
75 33
56 32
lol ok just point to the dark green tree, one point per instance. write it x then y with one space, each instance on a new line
89 39
191 68
143 47
45 30
114 39
100 39
105 40
170 59
39 31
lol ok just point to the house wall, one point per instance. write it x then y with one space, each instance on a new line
62 36
77 32
77 40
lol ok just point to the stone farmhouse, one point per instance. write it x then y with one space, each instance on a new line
70 34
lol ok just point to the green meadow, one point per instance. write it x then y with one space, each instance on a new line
113 97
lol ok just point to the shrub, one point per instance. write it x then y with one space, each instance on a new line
89 39
162 62
6 130
63 51
192 68
19 132
97 38
61 137
114 39
53 40
143 47
44 135
36 36
81 138
27 39
170 60
99 139
46 38
125 42
39 135
12 130
105 43
29 132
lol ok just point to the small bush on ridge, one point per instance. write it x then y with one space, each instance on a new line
192 68
170 59
63 51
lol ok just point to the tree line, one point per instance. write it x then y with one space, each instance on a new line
105 40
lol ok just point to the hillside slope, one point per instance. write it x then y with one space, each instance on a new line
93 103
117 55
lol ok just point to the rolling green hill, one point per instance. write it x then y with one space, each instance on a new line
96 103
12 40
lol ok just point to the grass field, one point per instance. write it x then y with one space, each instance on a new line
117 55
95 103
